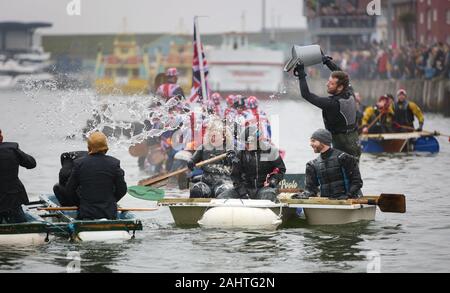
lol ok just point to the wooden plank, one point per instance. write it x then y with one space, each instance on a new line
401 135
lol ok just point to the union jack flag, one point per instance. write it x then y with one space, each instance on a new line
196 91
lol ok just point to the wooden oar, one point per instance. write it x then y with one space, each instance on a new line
388 203
151 181
373 122
434 133
76 208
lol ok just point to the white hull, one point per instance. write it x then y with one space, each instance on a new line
235 213
104 236
23 239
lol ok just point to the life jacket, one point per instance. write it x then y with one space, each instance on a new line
346 121
403 114
331 175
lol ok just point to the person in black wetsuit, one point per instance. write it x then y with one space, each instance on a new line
339 110
334 174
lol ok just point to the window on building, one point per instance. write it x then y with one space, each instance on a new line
448 17
429 18
435 15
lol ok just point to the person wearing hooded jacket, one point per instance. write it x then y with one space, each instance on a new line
334 174
12 191
99 180
339 110
256 169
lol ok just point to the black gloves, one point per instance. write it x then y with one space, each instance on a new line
299 70
420 127
326 59
190 165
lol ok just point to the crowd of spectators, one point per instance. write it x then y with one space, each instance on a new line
414 61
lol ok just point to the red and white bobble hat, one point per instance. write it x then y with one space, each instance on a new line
252 102
401 91
230 100
172 72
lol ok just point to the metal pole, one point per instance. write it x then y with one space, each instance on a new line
200 60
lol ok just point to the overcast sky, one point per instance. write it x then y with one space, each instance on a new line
154 16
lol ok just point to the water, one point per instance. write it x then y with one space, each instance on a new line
413 242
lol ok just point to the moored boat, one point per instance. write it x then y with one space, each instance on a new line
400 142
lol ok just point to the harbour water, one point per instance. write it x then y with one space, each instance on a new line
418 241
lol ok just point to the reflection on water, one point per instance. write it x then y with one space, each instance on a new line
41 120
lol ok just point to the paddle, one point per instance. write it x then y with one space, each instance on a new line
151 181
388 203
434 133
373 122
146 192
76 208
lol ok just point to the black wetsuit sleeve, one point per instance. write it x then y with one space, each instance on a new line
351 168
311 182
120 184
332 66
321 102
25 160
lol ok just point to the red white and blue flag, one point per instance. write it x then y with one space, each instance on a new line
196 90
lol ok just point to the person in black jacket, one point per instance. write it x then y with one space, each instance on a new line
334 174
59 189
100 181
339 110
12 191
256 170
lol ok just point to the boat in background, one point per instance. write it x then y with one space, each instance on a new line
237 67
22 59
399 142
125 71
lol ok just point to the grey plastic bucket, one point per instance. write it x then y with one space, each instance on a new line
308 55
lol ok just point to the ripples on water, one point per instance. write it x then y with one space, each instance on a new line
419 240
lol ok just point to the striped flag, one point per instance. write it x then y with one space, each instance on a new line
196 90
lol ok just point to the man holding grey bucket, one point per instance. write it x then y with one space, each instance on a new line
339 109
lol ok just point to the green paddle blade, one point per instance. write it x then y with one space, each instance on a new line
146 192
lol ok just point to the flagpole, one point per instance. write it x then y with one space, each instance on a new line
200 60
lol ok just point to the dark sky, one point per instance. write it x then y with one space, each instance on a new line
169 16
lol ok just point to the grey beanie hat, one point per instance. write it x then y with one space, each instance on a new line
322 135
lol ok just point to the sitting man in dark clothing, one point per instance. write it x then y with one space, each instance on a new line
12 191
59 189
334 174
100 181
256 170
